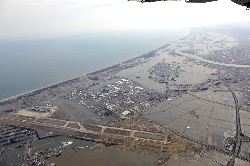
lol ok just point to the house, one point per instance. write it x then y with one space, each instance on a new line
124 114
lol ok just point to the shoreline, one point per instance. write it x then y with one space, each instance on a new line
31 92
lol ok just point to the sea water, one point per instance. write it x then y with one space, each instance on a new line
29 64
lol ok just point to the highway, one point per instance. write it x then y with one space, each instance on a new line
238 125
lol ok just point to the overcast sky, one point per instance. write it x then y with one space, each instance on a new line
42 18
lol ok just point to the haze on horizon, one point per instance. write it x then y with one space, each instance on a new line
46 18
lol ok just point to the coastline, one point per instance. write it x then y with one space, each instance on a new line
89 109
54 85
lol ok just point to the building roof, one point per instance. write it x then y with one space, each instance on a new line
125 113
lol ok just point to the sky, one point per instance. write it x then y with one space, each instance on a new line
46 18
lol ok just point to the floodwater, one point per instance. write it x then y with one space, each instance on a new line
89 153
95 154
208 61
31 64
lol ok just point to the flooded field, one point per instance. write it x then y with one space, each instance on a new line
140 103
79 153
199 119
192 73
95 154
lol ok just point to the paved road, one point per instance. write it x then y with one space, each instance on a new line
238 125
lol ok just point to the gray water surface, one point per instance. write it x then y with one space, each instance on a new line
29 64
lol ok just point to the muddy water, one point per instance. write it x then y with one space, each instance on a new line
91 154
205 60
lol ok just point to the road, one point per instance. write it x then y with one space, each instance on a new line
178 51
238 125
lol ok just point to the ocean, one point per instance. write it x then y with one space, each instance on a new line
29 64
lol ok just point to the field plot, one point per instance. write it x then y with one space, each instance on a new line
194 74
180 124
241 162
246 129
244 119
197 118
219 157
218 96
216 138
195 129
245 149
223 114
185 162
208 162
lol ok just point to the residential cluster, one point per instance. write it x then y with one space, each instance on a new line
162 71
39 157
124 98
